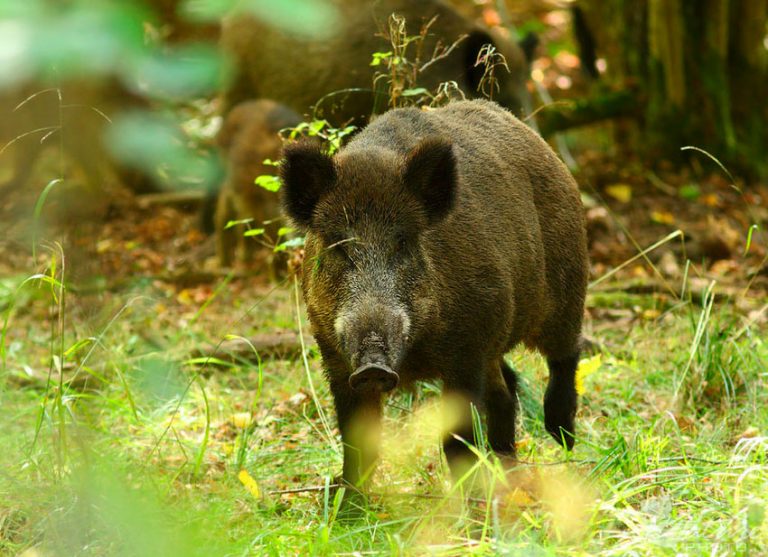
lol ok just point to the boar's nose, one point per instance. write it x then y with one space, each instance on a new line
373 378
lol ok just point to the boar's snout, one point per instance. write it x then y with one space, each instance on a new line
373 336
376 378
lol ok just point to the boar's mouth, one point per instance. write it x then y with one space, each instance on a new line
373 378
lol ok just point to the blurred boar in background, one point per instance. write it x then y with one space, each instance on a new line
36 118
249 135
334 74
436 242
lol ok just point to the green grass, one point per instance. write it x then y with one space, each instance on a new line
114 443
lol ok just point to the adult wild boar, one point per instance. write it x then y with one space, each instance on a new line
436 242
34 112
249 135
299 71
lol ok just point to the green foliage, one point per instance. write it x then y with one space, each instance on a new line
690 192
254 232
314 19
331 136
54 40
39 209
58 45
268 182
402 65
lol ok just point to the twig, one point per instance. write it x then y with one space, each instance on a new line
444 54
321 488
307 489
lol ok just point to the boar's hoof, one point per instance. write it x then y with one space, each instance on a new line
373 378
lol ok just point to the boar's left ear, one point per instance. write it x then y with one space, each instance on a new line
430 174
307 174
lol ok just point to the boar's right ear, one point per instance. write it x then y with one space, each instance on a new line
430 174
307 174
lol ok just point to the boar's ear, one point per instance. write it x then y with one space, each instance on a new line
529 44
307 174
430 174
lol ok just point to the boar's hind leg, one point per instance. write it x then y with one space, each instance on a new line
560 399
500 403
359 418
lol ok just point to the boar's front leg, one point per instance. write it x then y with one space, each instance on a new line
560 399
460 392
359 418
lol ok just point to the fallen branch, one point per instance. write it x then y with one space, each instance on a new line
561 116
183 278
278 345
188 197
695 287
321 488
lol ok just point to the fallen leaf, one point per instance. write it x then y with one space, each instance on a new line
662 217
491 17
724 267
620 192
184 297
639 271
651 314
249 483
523 444
103 246
749 433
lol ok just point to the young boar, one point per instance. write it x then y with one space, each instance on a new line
249 135
299 72
436 242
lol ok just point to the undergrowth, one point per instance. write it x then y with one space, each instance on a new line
120 439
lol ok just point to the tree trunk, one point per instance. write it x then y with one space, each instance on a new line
700 66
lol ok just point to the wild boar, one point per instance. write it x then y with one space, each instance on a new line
436 241
249 135
335 74
32 113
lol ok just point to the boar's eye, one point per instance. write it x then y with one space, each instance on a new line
340 248
401 245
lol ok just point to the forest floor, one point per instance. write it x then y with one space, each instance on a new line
155 406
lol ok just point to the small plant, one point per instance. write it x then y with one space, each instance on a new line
333 139
491 60
405 63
